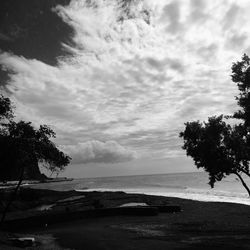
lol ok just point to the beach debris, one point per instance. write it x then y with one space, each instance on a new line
133 204
161 208
130 210
23 241
45 207
70 199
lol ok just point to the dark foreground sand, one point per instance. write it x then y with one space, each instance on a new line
200 225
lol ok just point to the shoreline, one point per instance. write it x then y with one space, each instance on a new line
12 184
209 196
208 225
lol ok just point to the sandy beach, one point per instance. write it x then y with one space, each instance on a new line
199 225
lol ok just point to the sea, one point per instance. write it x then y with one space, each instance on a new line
192 186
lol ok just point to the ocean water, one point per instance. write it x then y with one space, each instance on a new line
183 185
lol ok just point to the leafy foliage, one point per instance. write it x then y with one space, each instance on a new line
241 76
6 110
23 147
217 147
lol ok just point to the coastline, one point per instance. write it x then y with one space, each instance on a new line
196 195
12 184
208 225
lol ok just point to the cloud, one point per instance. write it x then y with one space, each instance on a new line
208 52
171 13
236 41
197 13
99 152
231 16
166 63
139 70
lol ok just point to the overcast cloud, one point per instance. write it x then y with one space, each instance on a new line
99 152
138 72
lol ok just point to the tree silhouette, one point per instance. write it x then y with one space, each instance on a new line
6 109
23 147
219 148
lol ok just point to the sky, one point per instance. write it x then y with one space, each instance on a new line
116 80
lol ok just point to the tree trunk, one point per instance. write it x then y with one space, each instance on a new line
245 172
243 183
13 196
33 171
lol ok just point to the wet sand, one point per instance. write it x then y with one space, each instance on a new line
200 225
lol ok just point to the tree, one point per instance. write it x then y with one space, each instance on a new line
23 147
219 148
6 109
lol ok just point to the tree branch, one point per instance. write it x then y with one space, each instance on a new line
245 172
243 183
